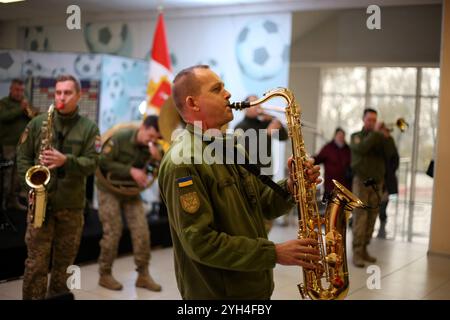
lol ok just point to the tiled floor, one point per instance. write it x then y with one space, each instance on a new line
406 273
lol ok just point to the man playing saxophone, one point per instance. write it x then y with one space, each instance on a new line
216 211
70 157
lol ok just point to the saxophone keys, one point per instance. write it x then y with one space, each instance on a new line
337 282
332 259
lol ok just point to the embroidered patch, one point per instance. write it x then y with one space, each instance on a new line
190 202
98 144
184 182
24 136
356 139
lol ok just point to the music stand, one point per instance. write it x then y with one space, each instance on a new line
3 165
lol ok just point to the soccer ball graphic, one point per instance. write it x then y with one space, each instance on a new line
58 71
115 87
31 68
36 39
87 66
261 50
106 37
10 66
108 118
214 65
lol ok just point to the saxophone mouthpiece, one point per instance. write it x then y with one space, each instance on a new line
239 105
59 105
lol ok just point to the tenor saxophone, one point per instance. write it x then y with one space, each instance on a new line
38 176
331 279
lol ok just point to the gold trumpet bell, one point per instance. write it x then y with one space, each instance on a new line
402 124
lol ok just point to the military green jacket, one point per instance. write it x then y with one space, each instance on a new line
75 136
216 213
13 121
120 153
369 149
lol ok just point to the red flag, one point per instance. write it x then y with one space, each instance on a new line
160 75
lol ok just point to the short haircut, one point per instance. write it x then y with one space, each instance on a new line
151 121
17 81
367 110
339 129
185 84
68 77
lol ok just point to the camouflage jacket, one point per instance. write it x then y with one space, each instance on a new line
75 136
13 121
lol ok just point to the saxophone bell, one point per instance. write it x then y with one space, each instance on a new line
330 280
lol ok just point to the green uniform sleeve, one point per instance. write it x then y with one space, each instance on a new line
9 115
273 205
109 159
195 227
363 146
283 134
25 151
86 163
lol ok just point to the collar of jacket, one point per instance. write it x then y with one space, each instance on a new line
67 118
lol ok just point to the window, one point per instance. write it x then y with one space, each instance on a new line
395 92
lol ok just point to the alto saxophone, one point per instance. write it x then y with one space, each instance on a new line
330 280
38 176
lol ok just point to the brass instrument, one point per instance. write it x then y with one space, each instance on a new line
330 280
30 111
116 184
38 176
401 124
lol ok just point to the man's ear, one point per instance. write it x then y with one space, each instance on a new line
191 103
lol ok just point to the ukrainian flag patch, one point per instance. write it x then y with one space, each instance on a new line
184 182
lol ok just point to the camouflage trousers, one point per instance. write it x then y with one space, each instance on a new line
364 219
60 236
110 207
11 184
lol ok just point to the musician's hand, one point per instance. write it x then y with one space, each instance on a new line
312 173
52 158
379 126
154 151
140 176
274 124
24 104
298 252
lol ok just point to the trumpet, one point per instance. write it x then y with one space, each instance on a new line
401 124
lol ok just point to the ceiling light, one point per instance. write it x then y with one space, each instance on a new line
10 1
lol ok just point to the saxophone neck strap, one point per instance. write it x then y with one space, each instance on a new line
256 171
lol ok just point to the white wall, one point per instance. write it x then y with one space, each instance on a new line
440 221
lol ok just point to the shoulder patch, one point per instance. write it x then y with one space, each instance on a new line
190 202
24 135
356 139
